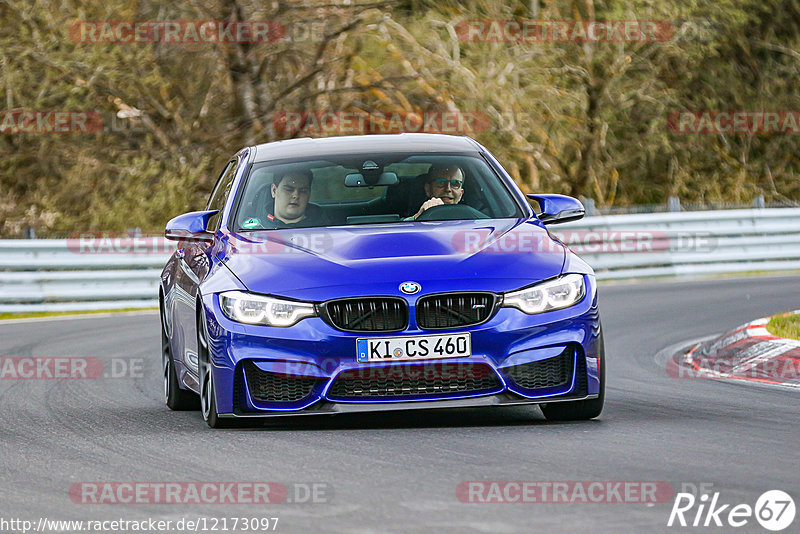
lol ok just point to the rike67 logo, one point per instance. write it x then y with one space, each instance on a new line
774 510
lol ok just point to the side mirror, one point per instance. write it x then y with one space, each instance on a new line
558 208
190 227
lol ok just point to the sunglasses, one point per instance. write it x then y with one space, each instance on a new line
442 182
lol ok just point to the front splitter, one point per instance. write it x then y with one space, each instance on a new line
332 408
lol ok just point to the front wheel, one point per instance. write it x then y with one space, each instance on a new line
175 398
584 409
208 402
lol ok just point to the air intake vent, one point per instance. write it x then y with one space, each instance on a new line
549 373
277 387
408 381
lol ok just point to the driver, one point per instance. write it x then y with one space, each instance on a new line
444 185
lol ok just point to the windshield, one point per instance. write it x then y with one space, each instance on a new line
369 189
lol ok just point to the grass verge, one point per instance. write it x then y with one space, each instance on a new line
787 325
59 314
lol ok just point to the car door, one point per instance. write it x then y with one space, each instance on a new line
193 267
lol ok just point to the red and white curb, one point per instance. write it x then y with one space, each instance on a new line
748 353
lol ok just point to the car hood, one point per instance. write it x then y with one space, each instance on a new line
323 263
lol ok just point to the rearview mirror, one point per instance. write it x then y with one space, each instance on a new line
190 227
557 209
358 180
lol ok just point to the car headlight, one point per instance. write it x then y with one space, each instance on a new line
258 309
563 292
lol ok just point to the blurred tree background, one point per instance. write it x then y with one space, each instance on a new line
581 118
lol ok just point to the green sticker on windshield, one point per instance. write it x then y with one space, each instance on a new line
249 223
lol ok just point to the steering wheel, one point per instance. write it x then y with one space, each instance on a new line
451 212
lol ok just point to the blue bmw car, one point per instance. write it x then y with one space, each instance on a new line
381 272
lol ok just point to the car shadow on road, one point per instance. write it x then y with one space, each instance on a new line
163 420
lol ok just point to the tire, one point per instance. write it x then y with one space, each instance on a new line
176 399
584 409
208 401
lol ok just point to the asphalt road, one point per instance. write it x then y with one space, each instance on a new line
398 472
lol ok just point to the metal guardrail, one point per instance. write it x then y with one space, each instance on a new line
60 275
67 275
688 243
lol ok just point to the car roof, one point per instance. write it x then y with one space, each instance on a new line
353 144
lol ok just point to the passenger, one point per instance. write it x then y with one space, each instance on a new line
291 192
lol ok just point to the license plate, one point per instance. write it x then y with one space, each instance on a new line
397 349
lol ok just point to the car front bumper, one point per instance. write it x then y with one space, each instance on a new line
312 349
